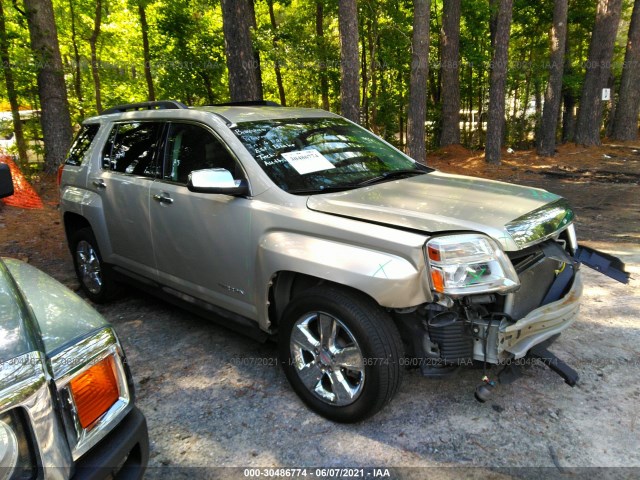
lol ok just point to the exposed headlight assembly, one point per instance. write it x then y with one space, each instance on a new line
8 450
16 456
469 264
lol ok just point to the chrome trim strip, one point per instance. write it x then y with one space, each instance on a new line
541 223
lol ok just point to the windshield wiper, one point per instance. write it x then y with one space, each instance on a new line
394 174
328 189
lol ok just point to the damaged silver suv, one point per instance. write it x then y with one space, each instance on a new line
298 225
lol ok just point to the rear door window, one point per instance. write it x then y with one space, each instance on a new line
81 144
132 149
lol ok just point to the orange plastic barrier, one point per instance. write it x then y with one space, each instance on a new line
24 195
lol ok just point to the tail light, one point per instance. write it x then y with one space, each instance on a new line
59 176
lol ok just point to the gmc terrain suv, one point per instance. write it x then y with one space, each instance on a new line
299 225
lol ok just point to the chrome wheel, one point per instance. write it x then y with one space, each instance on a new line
327 358
89 267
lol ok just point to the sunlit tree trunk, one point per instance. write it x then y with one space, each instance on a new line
77 77
55 118
274 33
322 55
553 94
93 41
625 123
144 27
495 117
241 63
349 85
450 71
11 90
417 112
598 69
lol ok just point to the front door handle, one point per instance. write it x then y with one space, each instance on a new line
163 198
99 183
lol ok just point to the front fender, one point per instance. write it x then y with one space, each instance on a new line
391 280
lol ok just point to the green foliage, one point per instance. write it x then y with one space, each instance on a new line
188 57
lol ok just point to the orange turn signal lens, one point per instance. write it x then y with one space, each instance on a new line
434 253
438 280
95 391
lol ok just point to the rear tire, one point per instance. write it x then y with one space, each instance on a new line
341 353
96 277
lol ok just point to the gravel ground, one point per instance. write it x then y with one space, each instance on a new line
214 398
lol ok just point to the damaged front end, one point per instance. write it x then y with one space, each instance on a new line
497 307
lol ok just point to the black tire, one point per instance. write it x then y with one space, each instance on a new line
340 385
96 277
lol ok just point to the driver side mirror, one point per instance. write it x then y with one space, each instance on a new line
216 180
6 182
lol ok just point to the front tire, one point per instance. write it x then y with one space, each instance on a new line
95 276
341 353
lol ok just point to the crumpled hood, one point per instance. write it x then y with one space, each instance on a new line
438 202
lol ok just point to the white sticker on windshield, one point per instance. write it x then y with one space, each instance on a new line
307 161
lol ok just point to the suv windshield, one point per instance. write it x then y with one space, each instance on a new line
322 154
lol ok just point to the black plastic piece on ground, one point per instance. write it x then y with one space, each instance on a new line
569 375
509 374
160 105
604 263
439 372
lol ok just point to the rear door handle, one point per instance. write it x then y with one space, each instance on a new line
163 198
99 183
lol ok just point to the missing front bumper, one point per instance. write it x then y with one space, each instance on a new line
515 340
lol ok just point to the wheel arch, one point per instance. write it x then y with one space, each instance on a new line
72 223
290 261
285 285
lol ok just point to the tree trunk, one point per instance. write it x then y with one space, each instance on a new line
598 68
372 36
625 123
568 98
349 88
55 118
93 40
77 77
322 55
145 52
417 112
495 120
450 69
364 69
274 32
11 91
256 53
243 71
553 94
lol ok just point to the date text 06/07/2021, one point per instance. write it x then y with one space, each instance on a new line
317 472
